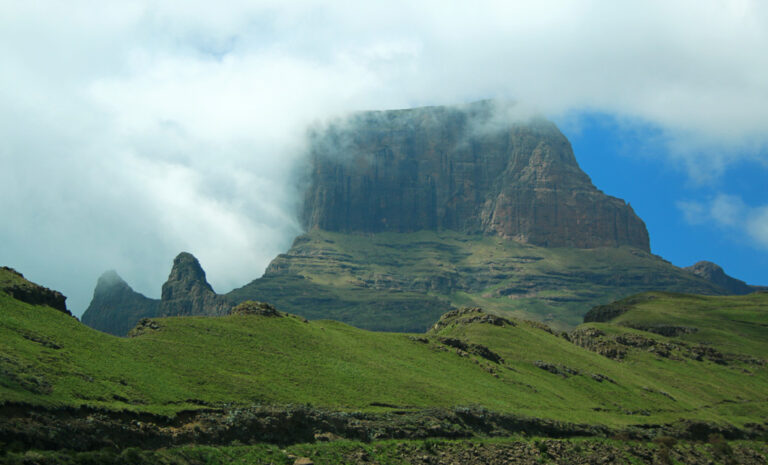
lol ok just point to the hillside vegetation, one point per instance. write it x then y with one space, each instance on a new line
469 359
405 281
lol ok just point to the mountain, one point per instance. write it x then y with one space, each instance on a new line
681 367
410 213
714 273
463 169
116 307
187 292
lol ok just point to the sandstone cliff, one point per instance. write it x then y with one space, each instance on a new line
465 169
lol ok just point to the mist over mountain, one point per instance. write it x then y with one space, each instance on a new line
409 213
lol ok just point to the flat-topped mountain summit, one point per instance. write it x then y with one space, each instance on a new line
463 169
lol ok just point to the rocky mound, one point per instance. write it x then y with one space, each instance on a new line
251 307
469 315
461 168
713 272
145 326
14 284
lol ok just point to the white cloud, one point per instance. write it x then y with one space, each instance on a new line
693 212
730 213
757 225
132 130
727 210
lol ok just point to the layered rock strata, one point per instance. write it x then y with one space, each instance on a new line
470 169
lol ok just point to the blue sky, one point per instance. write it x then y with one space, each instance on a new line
623 161
133 130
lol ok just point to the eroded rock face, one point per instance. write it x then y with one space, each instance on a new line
116 307
14 284
464 169
187 292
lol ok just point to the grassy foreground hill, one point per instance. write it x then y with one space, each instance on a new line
173 364
270 377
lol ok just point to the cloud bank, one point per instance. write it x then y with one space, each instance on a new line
130 131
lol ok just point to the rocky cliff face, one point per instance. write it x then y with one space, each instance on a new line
14 284
465 169
187 291
115 307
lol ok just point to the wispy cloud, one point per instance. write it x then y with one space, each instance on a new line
731 213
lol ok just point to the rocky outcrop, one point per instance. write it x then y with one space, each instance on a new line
617 347
458 435
14 284
187 292
145 326
250 307
607 312
560 370
116 307
461 168
713 272
91 429
466 316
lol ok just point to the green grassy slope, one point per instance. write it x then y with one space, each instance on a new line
732 324
405 281
48 358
